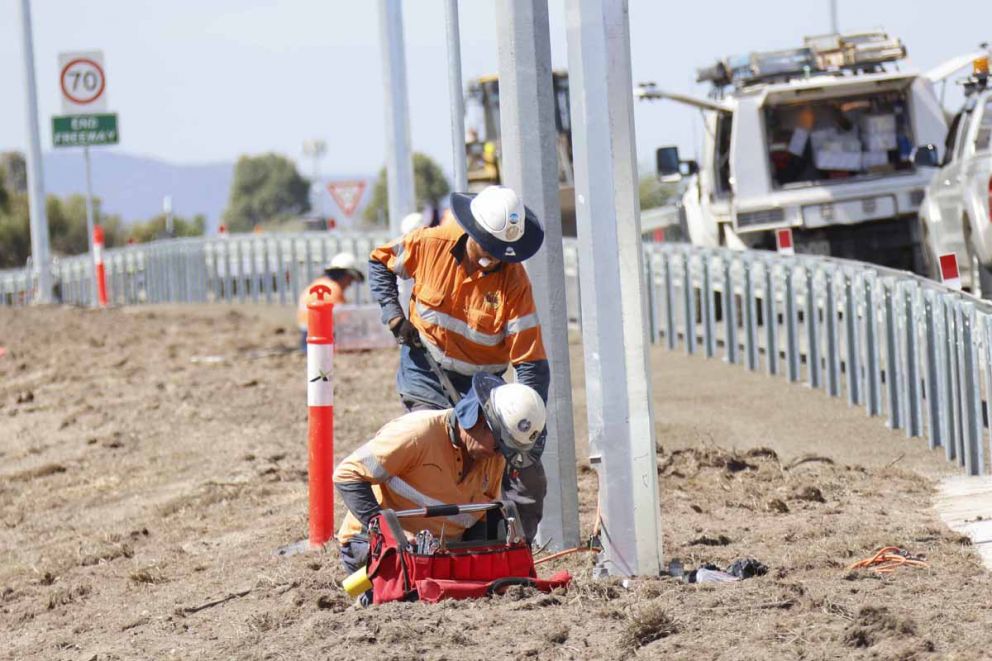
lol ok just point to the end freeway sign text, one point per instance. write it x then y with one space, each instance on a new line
85 130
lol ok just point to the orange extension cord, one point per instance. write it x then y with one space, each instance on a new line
888 559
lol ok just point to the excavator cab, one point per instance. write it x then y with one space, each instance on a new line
482 140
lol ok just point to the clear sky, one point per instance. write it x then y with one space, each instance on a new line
198 81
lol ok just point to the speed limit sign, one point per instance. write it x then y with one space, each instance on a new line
83 82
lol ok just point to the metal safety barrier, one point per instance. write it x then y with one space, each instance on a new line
269 268
899 345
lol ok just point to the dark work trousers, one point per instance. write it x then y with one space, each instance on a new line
525 487
354 556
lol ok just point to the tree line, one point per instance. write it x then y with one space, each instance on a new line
267 192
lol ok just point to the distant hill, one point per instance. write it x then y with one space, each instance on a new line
134 186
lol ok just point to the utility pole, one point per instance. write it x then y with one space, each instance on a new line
315 148
36 184
455 92
399 161
834 26
530 167
614 306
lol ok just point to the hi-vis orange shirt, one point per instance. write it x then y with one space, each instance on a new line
412 463
337 298
483 321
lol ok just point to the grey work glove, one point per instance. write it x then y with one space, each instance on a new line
405 333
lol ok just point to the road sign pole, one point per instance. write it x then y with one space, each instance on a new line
89 226
36 184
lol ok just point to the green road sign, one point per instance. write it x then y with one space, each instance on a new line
85 130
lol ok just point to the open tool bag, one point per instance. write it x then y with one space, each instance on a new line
401 569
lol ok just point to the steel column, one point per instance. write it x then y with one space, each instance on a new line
621 425
399 159
530 166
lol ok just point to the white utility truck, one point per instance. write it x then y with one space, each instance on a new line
956 215
820 139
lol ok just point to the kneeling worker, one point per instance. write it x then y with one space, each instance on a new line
338 276
432 457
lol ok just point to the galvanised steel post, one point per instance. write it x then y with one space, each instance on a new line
399 159
935 413
951 372
528 142
971 392
813 365
621 420
791 323
40 257
961 389
833 346
852 336
750 317
281 284
771 320
689 304
892 370
730 345
873 364
671 336
914 405
986 329
709 327
456 100
655 279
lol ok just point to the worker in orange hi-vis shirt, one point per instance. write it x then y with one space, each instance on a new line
338 276
471 310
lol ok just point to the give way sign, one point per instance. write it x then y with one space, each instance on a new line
83 83
347 194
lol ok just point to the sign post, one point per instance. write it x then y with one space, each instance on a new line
85 122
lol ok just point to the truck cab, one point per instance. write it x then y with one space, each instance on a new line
819 139
956 216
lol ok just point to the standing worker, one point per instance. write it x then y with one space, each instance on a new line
338 276
471 310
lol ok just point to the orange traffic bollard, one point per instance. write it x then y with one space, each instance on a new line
101 272
320 400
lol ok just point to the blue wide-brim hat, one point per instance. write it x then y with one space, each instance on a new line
506 251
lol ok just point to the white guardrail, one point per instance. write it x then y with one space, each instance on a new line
901 346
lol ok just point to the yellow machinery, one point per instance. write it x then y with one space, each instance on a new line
482 140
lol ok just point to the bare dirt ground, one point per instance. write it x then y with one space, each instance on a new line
153 459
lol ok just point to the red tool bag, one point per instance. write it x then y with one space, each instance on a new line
462 570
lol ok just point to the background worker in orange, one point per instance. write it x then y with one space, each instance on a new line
471 310
338 276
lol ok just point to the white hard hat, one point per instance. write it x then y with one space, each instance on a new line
521 414
345 261
514 412
411 221
498 221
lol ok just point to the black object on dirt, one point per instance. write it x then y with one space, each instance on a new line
747 568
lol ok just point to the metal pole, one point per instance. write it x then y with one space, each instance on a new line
833 17
36 184
615 343
812 332
399 162
530 167
771 321
89 224
457 101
